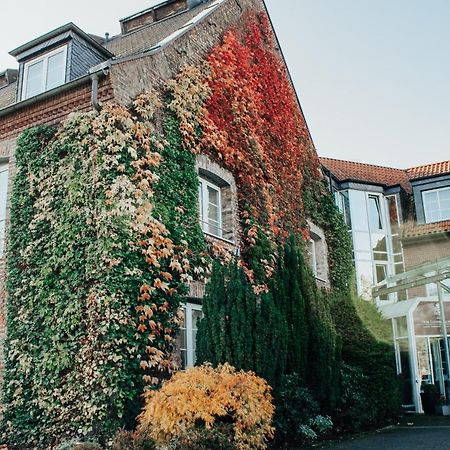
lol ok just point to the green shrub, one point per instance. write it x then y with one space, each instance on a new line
297 415
353 411
374 359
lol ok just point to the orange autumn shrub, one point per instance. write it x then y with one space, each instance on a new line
206 398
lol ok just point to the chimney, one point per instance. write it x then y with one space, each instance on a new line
156 13
8 77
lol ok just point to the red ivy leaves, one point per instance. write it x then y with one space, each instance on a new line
254 125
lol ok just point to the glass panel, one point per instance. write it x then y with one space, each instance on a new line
398 258
381 272
396 245
445 214
363 256
56 70
196 316
364 272
393 213
213 196
201 202
358 210
407 385
379 242
380 256
401 327
374 206
423 359
444 195
34 79
213 213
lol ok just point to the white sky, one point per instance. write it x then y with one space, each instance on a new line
373 77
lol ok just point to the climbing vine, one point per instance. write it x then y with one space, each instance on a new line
95 277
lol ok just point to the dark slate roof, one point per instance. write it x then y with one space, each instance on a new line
68 27
8 95
145 38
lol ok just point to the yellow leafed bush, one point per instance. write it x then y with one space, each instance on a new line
206 398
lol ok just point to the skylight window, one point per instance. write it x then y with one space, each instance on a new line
44 73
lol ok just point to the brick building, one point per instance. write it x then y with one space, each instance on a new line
400 224
68 70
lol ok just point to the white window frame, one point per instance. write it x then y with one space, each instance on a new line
424 195
4 168
203 205
313 254
45 57
379 201
188 329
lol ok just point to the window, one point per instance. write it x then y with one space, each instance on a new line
436 205
210 208
187 338
44 73
313 256
3 193
375 217
343 203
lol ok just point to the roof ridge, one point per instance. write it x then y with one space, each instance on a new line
363 164
427 165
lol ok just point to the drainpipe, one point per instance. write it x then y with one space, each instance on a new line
97 71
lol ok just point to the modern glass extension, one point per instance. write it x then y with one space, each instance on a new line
373 221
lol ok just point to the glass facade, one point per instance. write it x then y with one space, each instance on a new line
373 221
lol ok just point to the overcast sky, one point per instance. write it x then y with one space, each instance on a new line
373 77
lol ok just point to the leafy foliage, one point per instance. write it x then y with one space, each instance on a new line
240 327
375 359
94 277
205 397
297 415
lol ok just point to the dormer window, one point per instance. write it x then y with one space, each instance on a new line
437 204
44 73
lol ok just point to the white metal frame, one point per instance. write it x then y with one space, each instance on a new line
203 204
188 329
424 195
45 57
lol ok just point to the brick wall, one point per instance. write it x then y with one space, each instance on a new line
131 77
425 249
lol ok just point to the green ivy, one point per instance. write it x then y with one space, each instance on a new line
73 351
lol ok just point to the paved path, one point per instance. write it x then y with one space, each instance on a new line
399 438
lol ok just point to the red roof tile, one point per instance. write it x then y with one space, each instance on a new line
366 173
411 229
429 170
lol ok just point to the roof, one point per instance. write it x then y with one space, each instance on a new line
366 173
148 36
8 95
429 170
412 230
56 32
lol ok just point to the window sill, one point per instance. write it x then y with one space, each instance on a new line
218 237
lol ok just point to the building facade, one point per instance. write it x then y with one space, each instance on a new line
399 221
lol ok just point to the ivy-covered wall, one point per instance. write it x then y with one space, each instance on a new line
105 239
